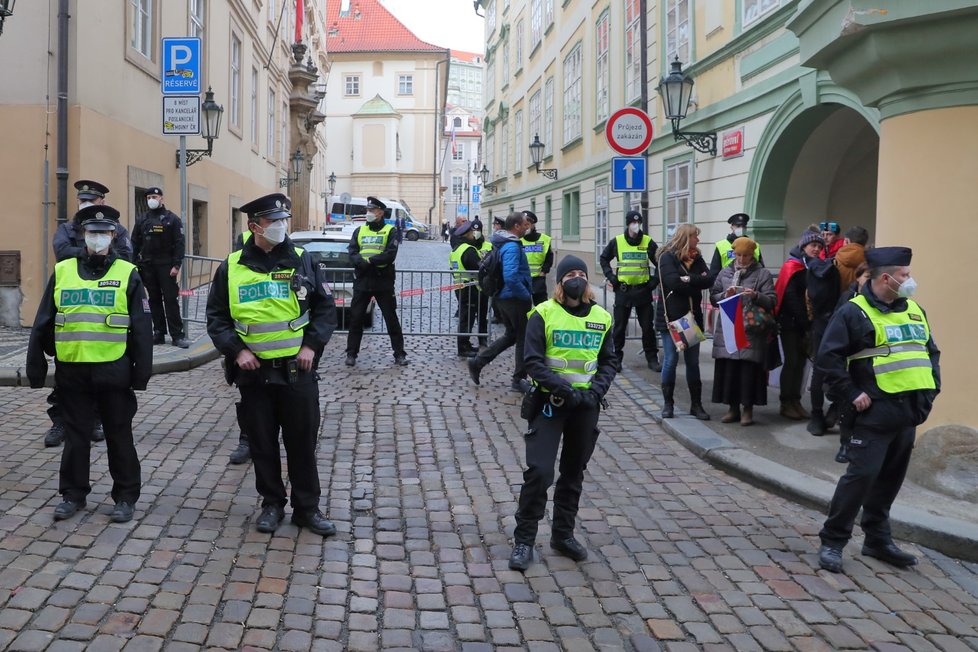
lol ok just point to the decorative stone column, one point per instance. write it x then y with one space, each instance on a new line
303 118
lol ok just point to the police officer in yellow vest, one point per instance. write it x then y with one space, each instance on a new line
540 256
473 304
95 320
372 251
270 312
633 281
878 355
572 363
723 253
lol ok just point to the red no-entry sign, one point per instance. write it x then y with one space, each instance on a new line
629 131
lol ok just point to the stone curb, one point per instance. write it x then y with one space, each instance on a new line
950 536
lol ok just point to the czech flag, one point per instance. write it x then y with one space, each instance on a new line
732 322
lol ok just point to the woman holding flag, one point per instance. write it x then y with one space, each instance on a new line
740 374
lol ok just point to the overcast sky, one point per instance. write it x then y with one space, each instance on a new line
446 23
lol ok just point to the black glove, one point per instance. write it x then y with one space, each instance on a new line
589 398
573 399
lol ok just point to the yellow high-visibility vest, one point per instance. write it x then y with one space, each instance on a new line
92 319
573 342
900 359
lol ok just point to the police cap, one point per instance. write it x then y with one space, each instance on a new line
888 257
98 218
499 221
632 216
275 206
531 216
88 189
373 202
738 219
464 228
153 190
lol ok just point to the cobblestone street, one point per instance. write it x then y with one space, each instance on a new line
420 472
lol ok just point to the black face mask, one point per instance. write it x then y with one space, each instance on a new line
574 288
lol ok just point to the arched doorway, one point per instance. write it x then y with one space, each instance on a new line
813 164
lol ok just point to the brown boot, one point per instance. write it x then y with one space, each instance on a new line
733 414
747 415
800 409
788 411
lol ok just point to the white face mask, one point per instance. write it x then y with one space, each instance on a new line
373 217
907 288
98 243
739 231
84 204
153 204
634 228
275 232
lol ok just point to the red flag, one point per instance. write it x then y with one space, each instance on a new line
298 21
454 151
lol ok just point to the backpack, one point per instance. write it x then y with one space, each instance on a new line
491 272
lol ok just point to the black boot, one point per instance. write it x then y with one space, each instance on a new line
667 403
696 402
816 424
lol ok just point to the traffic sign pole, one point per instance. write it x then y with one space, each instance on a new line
184 300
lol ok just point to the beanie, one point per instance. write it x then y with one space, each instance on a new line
743 246
632 216
810 236
569 264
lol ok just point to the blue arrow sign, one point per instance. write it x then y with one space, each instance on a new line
181 66
628 174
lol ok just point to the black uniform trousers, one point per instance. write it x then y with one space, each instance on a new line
81 406
358 314
539 289
294 409
163 290
641 301
473 306
578 427
512 312
878 461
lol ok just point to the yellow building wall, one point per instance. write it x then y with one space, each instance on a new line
927 196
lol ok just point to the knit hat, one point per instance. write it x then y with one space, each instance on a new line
744 245
569 264
809 237
632 216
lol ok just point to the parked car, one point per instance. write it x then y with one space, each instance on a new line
356 209
329 249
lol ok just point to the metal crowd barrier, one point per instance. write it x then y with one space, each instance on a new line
196 274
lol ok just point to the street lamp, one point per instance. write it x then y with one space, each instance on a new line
484 175
536 153
6 10
296 159
676 91
332 182
212 127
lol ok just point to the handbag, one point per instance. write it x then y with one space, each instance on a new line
685 331
757 319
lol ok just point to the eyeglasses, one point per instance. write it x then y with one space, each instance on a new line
829 226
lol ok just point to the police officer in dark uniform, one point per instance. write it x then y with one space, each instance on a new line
540 256
373 248
723 253
94 320
473 304
270 312
879 356
633 281
69 242
572 363
158 242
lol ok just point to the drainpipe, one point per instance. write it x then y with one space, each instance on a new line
62 110
434 149
644 71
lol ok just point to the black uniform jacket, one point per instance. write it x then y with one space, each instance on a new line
318 301
717 263
850 331
471 258
535 356
610 253
157 238
69 241
369 275
132 370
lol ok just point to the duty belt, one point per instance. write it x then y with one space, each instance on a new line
272 327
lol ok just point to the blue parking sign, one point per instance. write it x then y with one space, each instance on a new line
628 174
181 66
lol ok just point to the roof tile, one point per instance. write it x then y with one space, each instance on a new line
369 27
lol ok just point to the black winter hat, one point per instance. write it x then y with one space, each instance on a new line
569 264
632 216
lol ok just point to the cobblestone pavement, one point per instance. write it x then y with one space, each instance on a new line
420 472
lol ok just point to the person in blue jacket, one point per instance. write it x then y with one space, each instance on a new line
513 301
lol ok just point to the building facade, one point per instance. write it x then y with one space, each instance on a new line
465 82
385 95
115 137
461 148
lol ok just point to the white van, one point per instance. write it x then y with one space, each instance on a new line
356 209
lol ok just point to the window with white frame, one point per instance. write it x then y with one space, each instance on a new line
141 38
535 114
490 77
504 150
491 156
284 145
679 184
677 30
548 118
572 94
519 44
505 63
405 84
518 141
457 187
633 51
235 81
548 12
351 85
458 152
754 10
601 232
536 22
270 126
602 72
197 8
254 106
490 16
